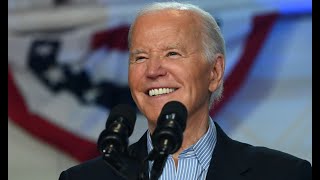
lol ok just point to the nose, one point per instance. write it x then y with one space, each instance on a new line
155 67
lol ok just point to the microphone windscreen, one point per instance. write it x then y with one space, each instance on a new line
126 113
179 109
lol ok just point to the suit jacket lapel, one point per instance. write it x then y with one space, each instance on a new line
139 151
228 158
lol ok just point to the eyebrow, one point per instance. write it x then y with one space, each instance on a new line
137 51
175 46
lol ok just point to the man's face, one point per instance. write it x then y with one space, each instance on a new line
167 63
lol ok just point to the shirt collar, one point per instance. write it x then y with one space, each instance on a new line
202 149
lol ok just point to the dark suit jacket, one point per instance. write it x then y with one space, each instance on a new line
231 160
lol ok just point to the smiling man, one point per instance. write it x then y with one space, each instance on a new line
168 62
177 53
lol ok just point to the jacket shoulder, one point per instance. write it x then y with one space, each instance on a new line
266 160
92 169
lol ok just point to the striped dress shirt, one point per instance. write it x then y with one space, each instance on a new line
193 162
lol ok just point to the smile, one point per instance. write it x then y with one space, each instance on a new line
160 91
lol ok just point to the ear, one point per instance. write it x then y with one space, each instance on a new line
217 72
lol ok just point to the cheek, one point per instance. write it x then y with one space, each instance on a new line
130 79
201 79
136 81
133 75
133 83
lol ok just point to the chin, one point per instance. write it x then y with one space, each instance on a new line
152 118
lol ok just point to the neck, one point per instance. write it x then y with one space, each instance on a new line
195 129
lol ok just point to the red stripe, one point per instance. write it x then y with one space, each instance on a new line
262 25
79 148
112 38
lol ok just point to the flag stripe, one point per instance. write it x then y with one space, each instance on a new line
115 38
262 25
79 148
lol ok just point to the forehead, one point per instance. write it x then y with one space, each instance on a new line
166 17
172 26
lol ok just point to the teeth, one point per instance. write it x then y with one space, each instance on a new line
156 92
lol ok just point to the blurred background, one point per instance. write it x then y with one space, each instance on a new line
67 67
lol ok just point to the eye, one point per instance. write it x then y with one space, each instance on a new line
138 59
173 53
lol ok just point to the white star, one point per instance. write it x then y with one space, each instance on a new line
54 75
91 94
44 50
76 68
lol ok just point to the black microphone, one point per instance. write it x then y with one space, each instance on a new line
113 141
119 127
167 136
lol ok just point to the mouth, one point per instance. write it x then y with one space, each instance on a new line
160 91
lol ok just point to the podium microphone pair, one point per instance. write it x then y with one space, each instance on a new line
166 139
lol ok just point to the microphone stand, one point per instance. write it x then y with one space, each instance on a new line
126 166
157 166
159 158
123 163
